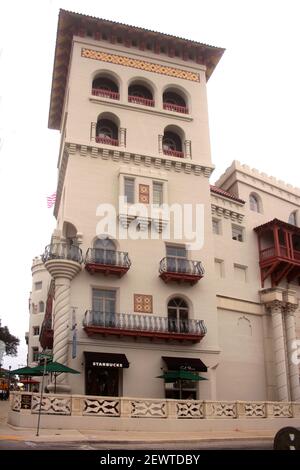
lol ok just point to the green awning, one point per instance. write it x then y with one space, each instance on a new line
172 376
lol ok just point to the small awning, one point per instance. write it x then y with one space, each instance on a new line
95 359
173 376
184 363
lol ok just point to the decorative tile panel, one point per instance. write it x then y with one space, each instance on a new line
143 303
52 405
148 409
144 193
140 64
192 409
101 407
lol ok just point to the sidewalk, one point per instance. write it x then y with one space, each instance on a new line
8 432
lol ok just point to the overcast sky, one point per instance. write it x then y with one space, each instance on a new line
253 97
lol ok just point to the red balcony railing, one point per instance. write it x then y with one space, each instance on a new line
113 95
140 100
176 108
107 140
270 252
173 153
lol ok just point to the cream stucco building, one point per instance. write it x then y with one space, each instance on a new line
124 309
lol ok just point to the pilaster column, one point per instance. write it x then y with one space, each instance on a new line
275 309
62 271
290 328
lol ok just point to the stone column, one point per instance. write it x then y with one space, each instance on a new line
275 308
290 328
62 271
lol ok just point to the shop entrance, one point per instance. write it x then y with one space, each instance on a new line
102 381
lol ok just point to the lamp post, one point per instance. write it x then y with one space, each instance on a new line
8 385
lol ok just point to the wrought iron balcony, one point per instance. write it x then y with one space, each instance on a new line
180 270
140 100
105 93
62 251
176 108
140 325
98 260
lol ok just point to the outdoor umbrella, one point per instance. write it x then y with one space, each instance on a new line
56 368
26 371
171 376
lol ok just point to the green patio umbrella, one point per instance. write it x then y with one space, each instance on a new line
171 376
26 371
56 368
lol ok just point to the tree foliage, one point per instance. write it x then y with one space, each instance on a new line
11 341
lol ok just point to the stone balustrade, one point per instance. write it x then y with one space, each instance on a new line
126 407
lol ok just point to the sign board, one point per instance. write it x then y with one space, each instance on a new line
26 402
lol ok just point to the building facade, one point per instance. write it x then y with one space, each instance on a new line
137 309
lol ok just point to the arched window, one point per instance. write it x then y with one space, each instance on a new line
293 218
41 307
105 251
173 101
254 203
172 144
104 86
140 94
107 132
178 315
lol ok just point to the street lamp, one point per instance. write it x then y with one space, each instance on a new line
8 385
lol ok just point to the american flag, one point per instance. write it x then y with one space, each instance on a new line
51 200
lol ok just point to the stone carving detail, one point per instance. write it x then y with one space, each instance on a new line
192 409
51 405
255 410
16 402
221 410
101 407
148 409
282 410
140 64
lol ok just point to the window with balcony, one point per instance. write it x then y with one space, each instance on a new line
237 233
104 307
173 100
178 315
172 144
36 330
157 193
105 87
104 251
107 132
139 93
129 190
